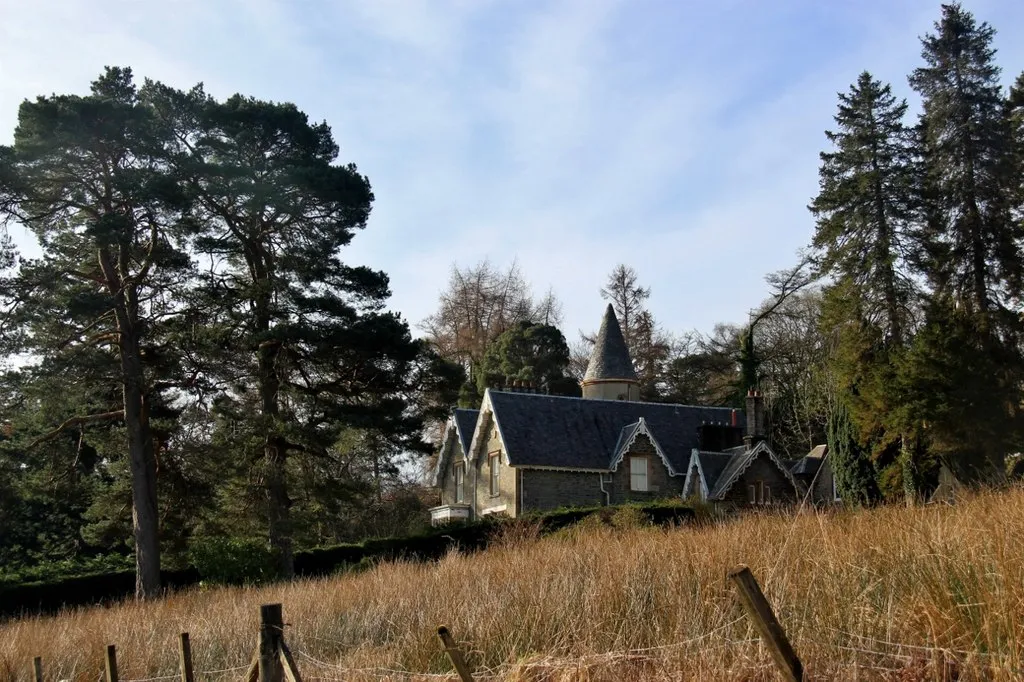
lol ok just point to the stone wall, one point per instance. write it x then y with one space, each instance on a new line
544 489
824 492
504 500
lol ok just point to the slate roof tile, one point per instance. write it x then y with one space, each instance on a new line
610 357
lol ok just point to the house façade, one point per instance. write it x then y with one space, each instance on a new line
525 451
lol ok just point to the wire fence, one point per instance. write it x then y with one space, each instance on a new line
832 648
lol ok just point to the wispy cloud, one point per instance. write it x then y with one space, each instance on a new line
571 135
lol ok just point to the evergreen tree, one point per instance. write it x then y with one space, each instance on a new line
302 336
536 354
1015 119
851 464
968 152
864 209
974 258
88 177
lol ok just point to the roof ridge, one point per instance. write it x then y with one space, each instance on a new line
613 402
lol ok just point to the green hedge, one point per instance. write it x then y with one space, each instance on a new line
226 561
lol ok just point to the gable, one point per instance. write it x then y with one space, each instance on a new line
741 462
455 444
633 439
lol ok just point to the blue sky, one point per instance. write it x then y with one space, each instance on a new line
679 137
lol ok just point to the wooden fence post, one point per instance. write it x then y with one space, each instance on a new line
455 654
760 612
111 663
271 633
185 658
291 671
37 669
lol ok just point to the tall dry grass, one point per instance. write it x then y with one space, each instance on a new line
904 594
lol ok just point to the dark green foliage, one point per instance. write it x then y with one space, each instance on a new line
227 561
530 354
851 463
865 208
968 161
959 395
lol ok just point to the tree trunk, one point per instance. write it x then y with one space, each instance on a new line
145 519
279 532
142 462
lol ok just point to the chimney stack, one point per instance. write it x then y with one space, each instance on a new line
755 418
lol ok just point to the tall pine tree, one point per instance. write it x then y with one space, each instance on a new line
974 265
968 152
303 337
88 177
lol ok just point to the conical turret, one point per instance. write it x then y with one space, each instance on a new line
610 374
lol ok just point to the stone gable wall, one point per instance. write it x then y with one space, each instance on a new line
506 496
763 469
823 493
659 482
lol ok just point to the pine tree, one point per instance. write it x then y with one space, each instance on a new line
968 151
87 175
974 260
302 337
533 353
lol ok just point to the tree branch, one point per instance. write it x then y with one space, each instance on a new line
76 421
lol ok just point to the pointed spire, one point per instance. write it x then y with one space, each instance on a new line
610 357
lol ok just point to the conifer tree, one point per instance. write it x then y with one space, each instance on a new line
88 177
864 209
302 337
968 150
974 259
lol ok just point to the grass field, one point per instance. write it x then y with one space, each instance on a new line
929 593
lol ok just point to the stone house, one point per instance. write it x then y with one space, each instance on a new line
525 451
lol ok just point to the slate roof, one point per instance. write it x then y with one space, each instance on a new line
712 464
576 433
610 357
806 466
465 423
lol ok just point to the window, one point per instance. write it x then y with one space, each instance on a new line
638 474
460 483
759 493
495 462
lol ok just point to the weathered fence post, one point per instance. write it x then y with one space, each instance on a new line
760 612
455 654
37 669
111 663
291 671
271 633
185 658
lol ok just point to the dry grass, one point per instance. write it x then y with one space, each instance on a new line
922 594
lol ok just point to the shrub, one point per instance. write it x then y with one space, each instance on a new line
227 561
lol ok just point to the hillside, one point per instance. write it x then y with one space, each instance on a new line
894 593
